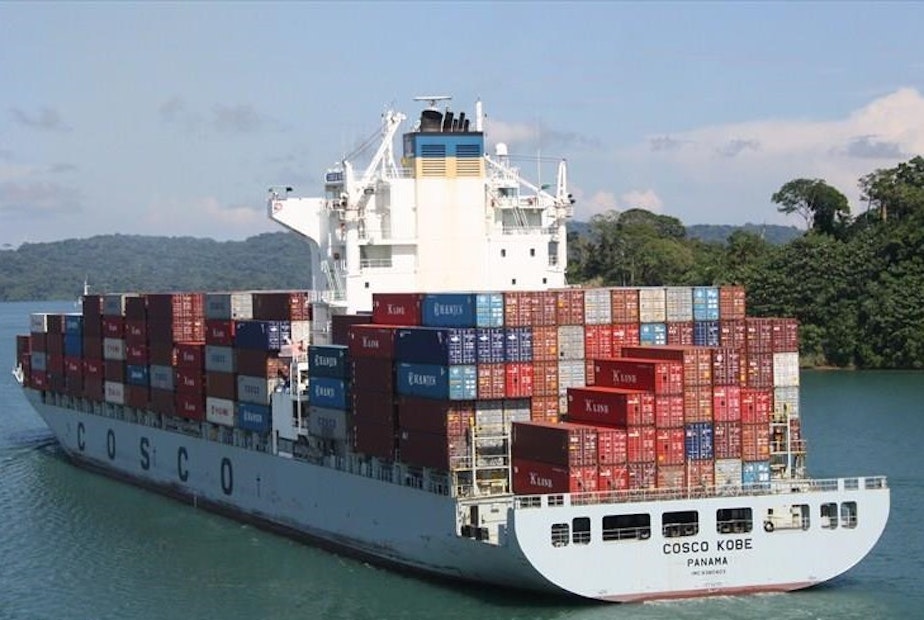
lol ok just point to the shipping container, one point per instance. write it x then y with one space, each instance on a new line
652 305
545 309
726 403
440 346
137 396
668 410
190 381
167 306
221 359
727 475
327 392
733 334
261 335
73 345
756 406
137 375
652 334
416 447
697 361
759 370
610 406
254 418
448 310
671 476
705 303
562 444
571 373
376 440
699 441
670 446
190 406
680 333
161 401
544 409
625 335
755 442
257 390
372 341
463 382
439 417
490 345
545 343
624 305
229 306
758 335
785 336
329 423
657 376
373 408
612 477
570 307
113 370
518 344
518 308
397 308
726 367
518 380
571 342
489 309
545 379
113 327
373 374
727 440
701 474
219 332
706 333
597 306
643 475
678 303
426 380
330 360
282 305
785 403
612 446
114 304
785 369
114 392
538 478
598 342
257 363
697 404
755 474
732 304
221 385
190 355
220 411
640 442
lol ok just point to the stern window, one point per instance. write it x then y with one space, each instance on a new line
674 524
734 520
829 516
627 527
849 514
580 527
560 534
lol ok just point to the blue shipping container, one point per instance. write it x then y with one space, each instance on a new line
706 333
328 392
73 345
328 361
489 310
73 324
518 344
425 380
651 334
698 441
705 303
448 310
137 375
489 345
755 474
252 417
430 345
262 335
463 382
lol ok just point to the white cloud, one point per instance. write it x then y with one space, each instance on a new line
205 217
642 199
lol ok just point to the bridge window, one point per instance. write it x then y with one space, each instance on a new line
560 534
734 520
829 515
580 527
627 527
685 523
849 514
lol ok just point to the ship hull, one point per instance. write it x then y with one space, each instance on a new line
414 529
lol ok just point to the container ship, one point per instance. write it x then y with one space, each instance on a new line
439 400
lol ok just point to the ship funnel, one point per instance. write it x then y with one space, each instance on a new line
462 121
447 121
431 120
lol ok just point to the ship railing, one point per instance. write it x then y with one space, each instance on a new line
776 487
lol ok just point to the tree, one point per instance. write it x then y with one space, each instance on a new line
824 209
896 193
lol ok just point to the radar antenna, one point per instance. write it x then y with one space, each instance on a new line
432 99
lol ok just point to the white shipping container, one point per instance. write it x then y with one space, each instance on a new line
597 306
220 411
785 402
113 349
301 333
652 305
255 390
570 342
678 303
114 305
489 414
114 392
727 475
38 322
516 410
571 373
39 360
219 359
328 423
162 377
785 369
238 305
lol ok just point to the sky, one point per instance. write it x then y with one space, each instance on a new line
162 118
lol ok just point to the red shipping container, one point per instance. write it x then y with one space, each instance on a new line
55 323
136 353
625 335
93 388
180 329
610 406
373 409
445 418
640 441
598 341
545 343
492 381
191 355
624 305
668 410
755 442
612 477
162 307
340 325
113 327
38 380
136 331
430 450
396 308
73 366
584 478
697 404
190 405
92 306
756 406
726 440
221 385
545 310
372 341
162 353
256 363
282 305
92 347
93 368
658 376
785 338
518 379
136 307
589 372
643 475
54 344
518 308
700 474
670 446
759 335
137 396
544 409
672 476
759 370
726 404
538 478
114 370
732 304
38 342
545 379
163 402
373 374
612 446
733 334
680 333
374 439
726 367
57 383
697 361
561 444
190 381
570 304
219 332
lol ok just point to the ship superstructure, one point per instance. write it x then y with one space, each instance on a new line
442 402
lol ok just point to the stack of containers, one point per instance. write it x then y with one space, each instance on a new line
652 315
175 319
38 347
73 354
113 331
625 313
92 311
553 458
679 315
260 369
706 316
137 358
572 370
329 392
372 351
222 311
785 344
